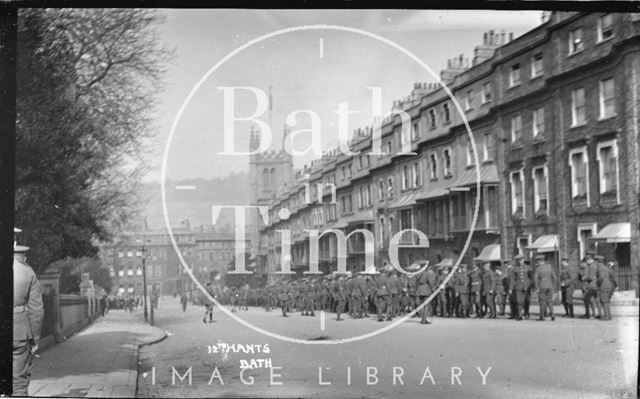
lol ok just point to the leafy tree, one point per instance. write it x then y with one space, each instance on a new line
86 87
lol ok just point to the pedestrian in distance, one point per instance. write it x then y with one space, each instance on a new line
183 301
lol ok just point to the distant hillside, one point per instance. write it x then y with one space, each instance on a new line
195 204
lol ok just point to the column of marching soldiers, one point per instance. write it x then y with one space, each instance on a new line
479 292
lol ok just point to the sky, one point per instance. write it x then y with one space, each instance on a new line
309 73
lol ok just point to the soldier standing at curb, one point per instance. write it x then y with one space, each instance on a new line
545 281
462 290
519 284
606 285
476 289
568 279
489 286
27 319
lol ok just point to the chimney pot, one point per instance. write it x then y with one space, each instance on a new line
484 38
510 36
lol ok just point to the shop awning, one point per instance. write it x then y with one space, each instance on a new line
361 217
432 193
615 232
548 243
446 262
406 200
490 253
469 177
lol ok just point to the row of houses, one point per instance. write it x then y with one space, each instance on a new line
207 252
550 163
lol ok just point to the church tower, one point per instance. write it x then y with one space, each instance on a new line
270 172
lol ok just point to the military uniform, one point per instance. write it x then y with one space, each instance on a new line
27 321
443 300
545 281
425 284
309 299
340 296
359 293
382 296
591 290
568 281
489 286
606 285
519 285
394 286
462 292
475 276
284 297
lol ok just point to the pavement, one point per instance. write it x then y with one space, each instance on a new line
99 361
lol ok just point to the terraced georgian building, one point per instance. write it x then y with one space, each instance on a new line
555 116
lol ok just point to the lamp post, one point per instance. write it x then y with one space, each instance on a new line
144 280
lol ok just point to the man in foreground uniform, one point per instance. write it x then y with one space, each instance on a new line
382 296
27 319
545 281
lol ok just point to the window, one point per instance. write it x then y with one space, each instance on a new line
129 254
487 147
486 92
540 189
607 155
381 190
415 130
138 254
381 231
577 107
360 165
516 129
578 162
158 270
389 147
417 178
469 152
390 187
266 179
446 113
432 118
514 75
368 195
469 101
538 121
585 231
139 271
537 65
129 272
433 162
120 254
343 175
446 154
607 100
517 192
405 177
522 243
605 27
121 273
575 41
